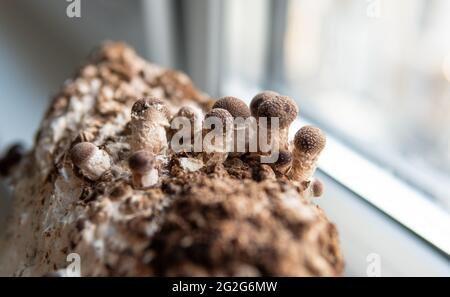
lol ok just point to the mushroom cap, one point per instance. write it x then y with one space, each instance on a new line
284 158
235 106
281 107
187 112
310 140
141 161
81 152
317 188
260 98
223 115
141 106
194 114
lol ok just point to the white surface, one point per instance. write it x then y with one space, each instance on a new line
364 230
387 192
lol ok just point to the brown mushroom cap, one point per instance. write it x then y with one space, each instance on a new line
284 158
235 106
81 152
317 188
310 140
260 98
141 161
222 114
142 105
187 112
282 107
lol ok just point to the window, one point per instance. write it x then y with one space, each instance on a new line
381 83
376 76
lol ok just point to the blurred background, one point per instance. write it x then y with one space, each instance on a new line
375 74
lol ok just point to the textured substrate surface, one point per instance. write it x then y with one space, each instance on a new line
233 218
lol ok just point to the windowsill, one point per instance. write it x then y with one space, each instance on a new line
364 230
375 185
388 193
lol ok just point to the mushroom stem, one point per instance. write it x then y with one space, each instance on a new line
91 160
278 107
303 166
217 141
148 179
308 144
277 141
144 171
284 162
240 113
218 149
187 115
283 134
243 134
149 119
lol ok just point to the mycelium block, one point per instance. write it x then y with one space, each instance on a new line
189 217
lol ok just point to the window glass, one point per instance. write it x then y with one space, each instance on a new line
374 73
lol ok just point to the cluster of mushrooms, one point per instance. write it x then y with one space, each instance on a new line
151 128
110 179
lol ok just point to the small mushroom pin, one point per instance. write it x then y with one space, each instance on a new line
240 112
260 98
91 160
284 162
217 142
149 119
309 142
143 167
283 108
